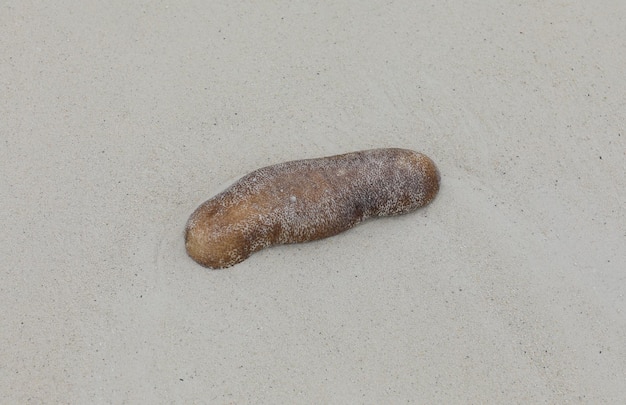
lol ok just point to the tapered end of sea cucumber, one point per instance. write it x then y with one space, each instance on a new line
432 179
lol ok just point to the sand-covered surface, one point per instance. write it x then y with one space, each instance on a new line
118 118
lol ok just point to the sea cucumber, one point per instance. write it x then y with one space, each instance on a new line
306 200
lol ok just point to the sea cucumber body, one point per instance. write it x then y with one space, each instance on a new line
305 200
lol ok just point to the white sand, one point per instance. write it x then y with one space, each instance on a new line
117 120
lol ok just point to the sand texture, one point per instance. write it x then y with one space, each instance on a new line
117 119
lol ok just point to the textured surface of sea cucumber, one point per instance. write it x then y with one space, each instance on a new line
305 200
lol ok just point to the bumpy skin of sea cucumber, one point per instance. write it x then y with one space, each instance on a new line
305 200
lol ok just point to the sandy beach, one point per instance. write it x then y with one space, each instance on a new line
118 119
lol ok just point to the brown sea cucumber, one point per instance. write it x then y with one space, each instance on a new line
305 200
